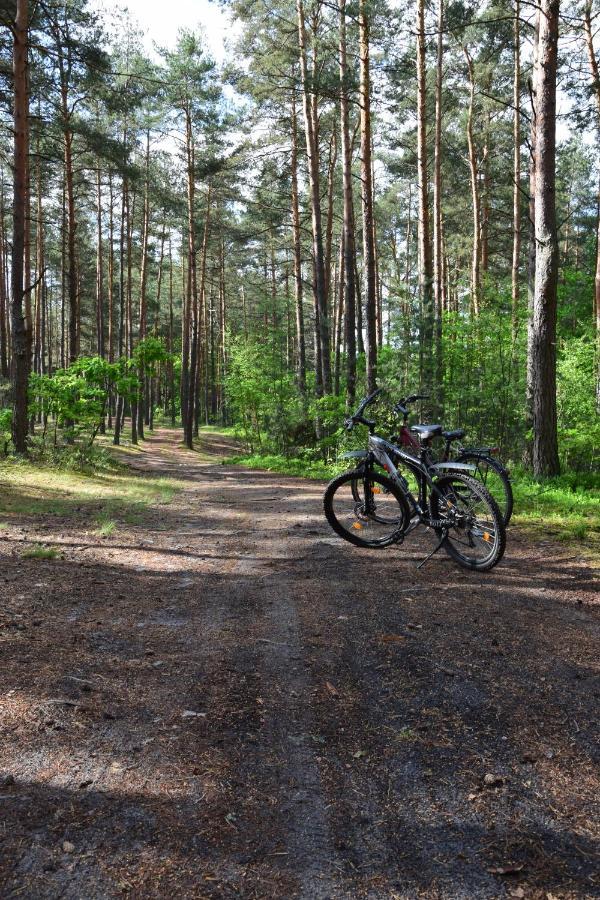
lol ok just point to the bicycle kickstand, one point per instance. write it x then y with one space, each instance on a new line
434 551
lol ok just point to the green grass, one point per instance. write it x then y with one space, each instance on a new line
101 500
285 465
566 508
106 526
39 552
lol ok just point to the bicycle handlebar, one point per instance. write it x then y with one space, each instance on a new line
357 418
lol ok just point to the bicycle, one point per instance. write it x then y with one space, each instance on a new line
489 470
370 509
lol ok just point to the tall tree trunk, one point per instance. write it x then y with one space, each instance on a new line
300 340
367 198
543 363
20 167
143 311
171 332
593 59
4 318
438 256
425 262
99 267
71 219
516 251
111 270
192 293
339 307
312 151
531 251
476 202
349 282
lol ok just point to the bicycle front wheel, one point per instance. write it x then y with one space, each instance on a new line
366 509
475 532
494 477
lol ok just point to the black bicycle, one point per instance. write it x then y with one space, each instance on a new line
376 510
487 468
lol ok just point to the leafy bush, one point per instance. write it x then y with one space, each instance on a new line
5 430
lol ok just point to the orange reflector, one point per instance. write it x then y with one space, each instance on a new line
376 490
487 536
357 525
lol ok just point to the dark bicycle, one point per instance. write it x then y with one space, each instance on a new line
487 468
376 510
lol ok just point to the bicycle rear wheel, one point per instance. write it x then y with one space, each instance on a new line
494 477
476 536
366 509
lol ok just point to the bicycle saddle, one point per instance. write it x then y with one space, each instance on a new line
454 435
426 432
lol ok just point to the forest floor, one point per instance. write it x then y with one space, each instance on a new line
219 698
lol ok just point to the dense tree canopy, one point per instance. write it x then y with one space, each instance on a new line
361 193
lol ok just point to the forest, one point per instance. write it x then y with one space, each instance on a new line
358 194
220 677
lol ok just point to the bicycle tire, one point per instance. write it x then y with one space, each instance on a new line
502 492
348 517
454 500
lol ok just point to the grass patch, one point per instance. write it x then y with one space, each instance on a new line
286 465
113 496
106 526
39 552
566 508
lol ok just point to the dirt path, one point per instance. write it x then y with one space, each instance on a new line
228 701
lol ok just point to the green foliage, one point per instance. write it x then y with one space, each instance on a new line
39 552
578 424
262 397
5 430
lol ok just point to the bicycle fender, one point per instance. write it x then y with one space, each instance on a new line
454 467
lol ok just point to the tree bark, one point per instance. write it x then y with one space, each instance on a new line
593 60
425 261
473 168
349 283
20 359
298 288
369 281
543 349
99 267
4 318
312 151
516 251
438 257
531 251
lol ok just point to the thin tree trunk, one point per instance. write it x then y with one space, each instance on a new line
20 167
300 340
425 261
191 318
4 318
593 59
438 262
99 267
531 254
545 444
143 323
348 280
473 168
515 292
367 198
312 151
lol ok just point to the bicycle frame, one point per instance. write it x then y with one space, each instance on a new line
384 452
